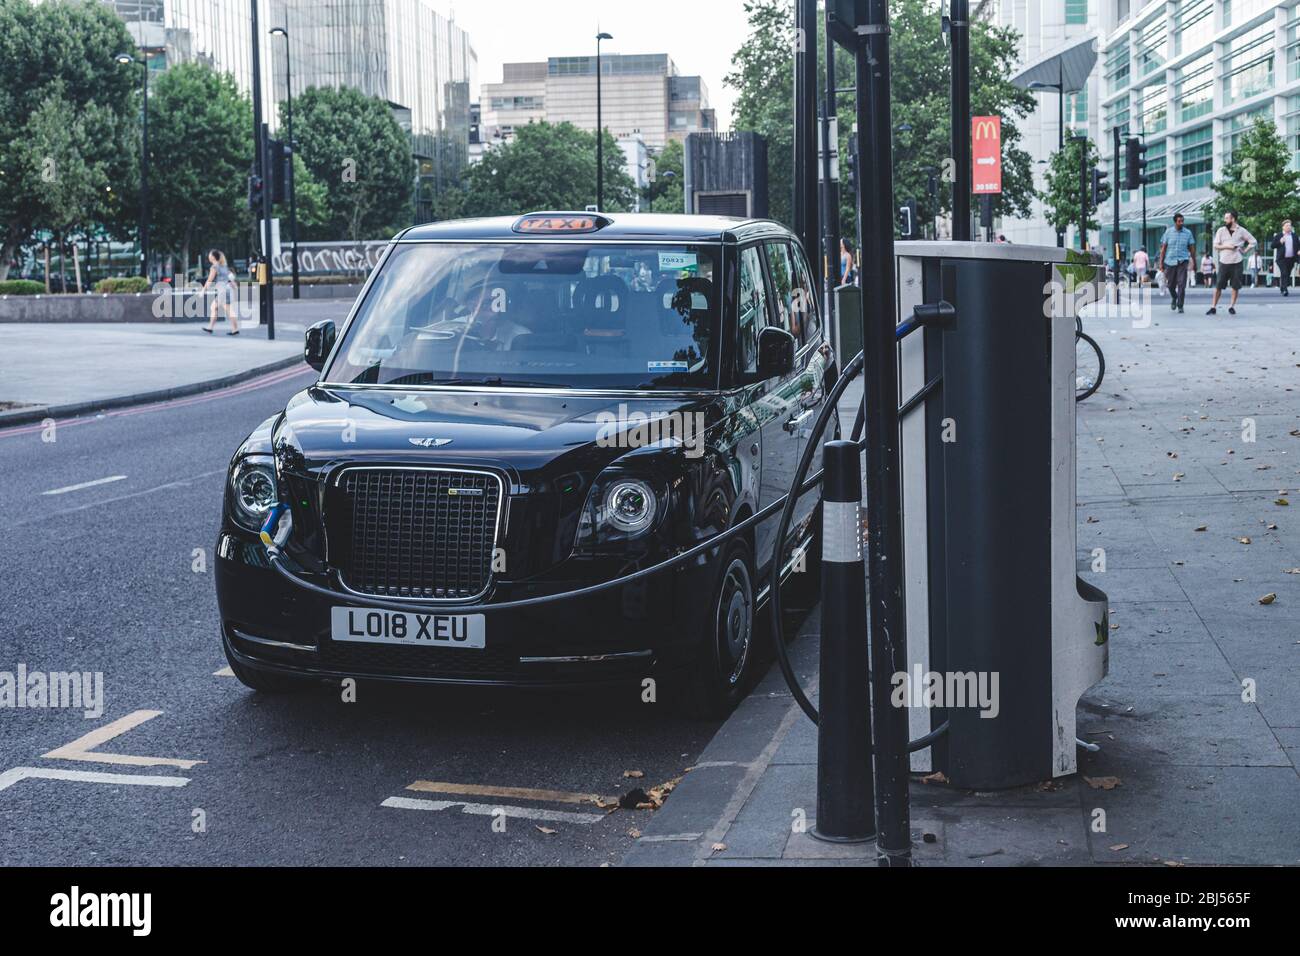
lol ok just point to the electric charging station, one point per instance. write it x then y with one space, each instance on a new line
989 449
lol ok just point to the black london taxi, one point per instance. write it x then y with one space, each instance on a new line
523 407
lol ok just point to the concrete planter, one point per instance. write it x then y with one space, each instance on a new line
170 306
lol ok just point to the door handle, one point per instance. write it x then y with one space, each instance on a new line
793 424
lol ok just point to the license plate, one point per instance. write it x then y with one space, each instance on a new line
357 625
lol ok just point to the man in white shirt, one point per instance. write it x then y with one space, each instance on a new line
1231 242
1285 249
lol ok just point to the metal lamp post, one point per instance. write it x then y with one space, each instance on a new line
288 122
124 59
600 131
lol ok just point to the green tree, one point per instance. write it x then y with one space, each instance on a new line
1061 197
354 148
200 151
57 63
763 77
1258 184
546 166
666 193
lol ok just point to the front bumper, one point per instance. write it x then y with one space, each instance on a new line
643 630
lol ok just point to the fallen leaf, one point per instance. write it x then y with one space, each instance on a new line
634 833
719 847
633 774
1282 503
1179 476
1268 599
1102 783
1119 846
547 830
1291 571
1202 528
1244 540
937 777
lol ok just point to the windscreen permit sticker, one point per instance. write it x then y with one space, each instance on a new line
671 261
668 366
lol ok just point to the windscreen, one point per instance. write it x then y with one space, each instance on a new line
538 314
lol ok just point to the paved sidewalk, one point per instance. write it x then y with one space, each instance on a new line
1204 772
62 369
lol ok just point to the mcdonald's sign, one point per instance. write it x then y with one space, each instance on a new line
986 154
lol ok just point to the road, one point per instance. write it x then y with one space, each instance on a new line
106 560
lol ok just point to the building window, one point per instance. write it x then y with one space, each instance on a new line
1196 88
1236 127
1293 49
1193 25
1248 64
1196 158
1157 171
1117 64
1117 114
1293 129
1151 46
1239 11
1153 109
1076 11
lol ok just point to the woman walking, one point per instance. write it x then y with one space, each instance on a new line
223 280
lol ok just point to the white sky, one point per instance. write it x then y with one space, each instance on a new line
699 35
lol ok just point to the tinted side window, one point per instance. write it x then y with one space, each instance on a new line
752 310
803 281
782 271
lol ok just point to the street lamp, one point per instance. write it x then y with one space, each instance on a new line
600 131
125 59
1059 87
288 120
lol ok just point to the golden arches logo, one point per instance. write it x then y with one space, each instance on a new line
986 129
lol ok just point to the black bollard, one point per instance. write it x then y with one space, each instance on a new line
845 797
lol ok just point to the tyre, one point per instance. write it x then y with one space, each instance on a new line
727 639
265 682
1090 366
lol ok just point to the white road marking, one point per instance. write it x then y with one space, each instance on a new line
487 810
11 777
508 793
224 672
85 484
83 747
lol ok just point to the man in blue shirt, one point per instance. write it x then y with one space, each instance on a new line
1177 251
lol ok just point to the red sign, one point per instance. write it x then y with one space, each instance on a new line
986 154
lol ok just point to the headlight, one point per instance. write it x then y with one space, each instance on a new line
629 506
619 508
253 490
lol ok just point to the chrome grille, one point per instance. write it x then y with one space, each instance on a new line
419 533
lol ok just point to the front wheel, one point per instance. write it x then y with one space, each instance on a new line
726 661
1090 366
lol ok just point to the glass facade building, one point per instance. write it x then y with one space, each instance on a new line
402 51
1190 76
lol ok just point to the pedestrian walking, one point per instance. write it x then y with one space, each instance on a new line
222 281
848 267
1177 252
1141 265
1231 242
1207 269
1252 264
1285 249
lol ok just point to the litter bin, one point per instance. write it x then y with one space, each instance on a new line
848 318
994 606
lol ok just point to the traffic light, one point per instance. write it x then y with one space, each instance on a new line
256 188
280 158
1134 163
1100 188
907 219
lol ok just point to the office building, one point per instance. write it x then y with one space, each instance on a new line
642 96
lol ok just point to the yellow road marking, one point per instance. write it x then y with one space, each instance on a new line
83 748
510 793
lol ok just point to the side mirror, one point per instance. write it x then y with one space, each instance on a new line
776 348
320 342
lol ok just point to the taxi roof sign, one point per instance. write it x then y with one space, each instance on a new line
558 224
